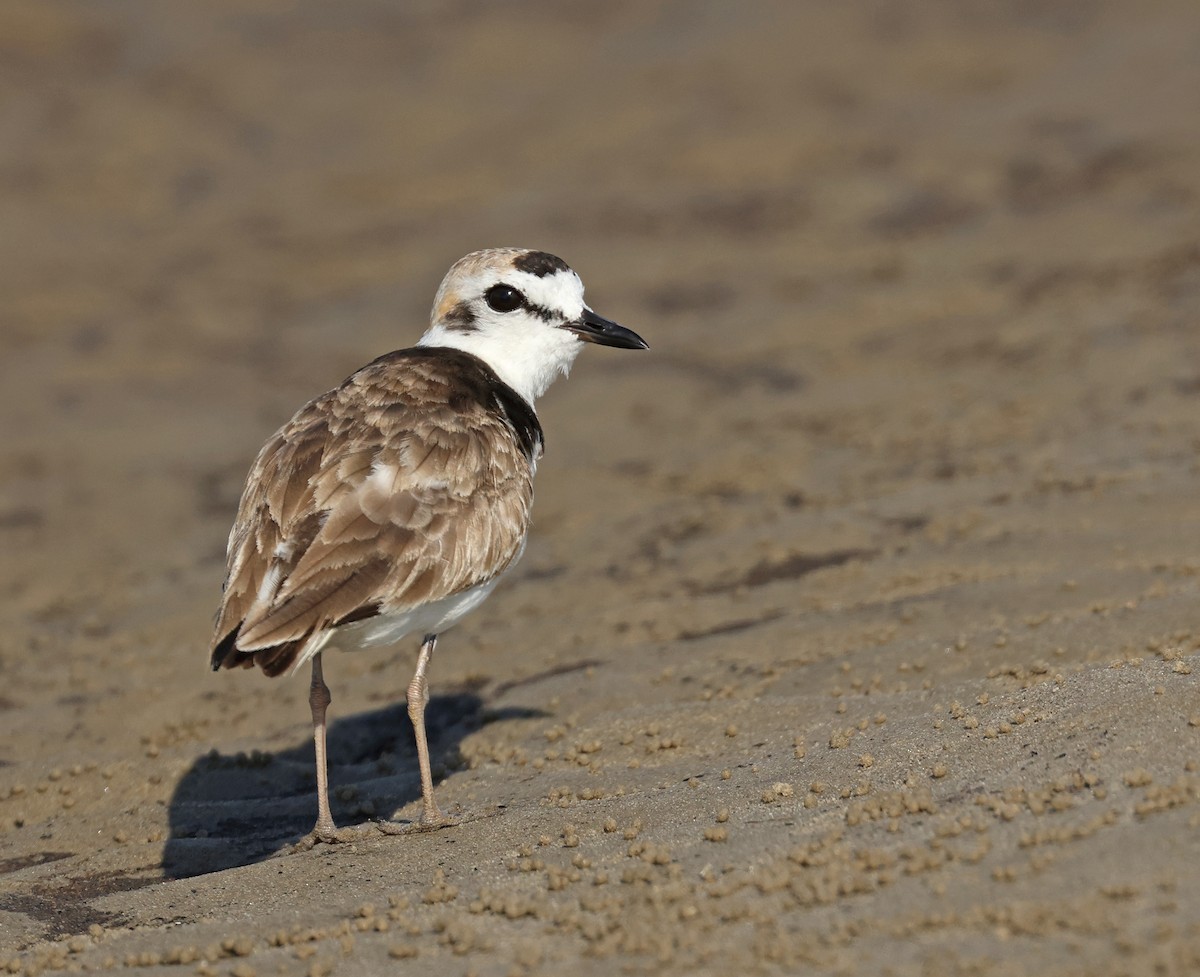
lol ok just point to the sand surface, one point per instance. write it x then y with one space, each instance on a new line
857 628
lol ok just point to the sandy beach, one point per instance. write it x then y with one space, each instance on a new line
857 626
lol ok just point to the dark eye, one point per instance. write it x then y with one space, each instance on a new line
504 298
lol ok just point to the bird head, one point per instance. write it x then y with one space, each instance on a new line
521 312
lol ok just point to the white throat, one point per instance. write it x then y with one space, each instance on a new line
526 356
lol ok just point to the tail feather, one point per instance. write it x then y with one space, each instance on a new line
273 660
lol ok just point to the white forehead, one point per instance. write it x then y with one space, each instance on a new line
559 291
545 281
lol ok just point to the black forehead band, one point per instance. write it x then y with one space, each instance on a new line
540 264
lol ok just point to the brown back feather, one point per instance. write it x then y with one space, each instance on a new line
410 482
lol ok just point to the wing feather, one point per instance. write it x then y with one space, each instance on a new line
379 494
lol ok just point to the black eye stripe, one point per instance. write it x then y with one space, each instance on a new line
541 312
503 298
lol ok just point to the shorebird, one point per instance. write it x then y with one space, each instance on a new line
394 503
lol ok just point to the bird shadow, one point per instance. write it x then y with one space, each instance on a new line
230 810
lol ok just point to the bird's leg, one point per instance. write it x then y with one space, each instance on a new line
325 831
418 696
319 699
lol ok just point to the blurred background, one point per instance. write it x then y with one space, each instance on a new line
921 283
212 212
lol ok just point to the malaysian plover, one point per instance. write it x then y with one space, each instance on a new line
394 503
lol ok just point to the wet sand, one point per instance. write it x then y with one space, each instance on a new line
857 628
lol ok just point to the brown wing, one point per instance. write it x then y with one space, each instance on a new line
409 483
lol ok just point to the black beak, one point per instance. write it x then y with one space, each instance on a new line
596 329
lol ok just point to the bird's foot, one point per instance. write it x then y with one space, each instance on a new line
330 835
429 821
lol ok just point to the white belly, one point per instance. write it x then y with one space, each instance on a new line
432 618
